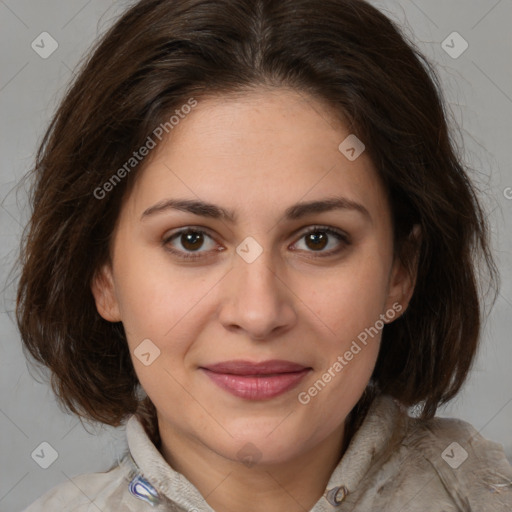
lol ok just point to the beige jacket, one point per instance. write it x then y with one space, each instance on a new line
394 463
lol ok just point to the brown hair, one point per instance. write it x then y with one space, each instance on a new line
161 53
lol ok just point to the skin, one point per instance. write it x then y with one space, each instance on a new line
256 154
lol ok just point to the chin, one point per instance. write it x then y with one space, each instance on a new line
262 444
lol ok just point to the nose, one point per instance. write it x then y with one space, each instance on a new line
256 299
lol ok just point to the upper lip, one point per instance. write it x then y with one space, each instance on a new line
241 367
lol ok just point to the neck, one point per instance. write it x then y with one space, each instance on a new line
230 486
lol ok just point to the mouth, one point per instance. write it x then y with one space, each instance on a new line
256 381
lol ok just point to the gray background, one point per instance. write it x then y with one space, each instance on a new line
478 87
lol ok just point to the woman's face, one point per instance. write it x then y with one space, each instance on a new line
258 288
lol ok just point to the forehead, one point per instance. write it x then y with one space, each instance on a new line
264 148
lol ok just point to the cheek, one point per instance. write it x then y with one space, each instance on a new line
334 393
349 299
349 315
347 310
153 295
168 305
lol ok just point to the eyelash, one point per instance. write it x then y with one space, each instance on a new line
340 235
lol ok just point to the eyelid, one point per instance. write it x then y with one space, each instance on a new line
321 227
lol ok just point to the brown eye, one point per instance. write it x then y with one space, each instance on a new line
186 242
316 240
192 240
319 237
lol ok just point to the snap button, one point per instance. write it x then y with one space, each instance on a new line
337 495
142 489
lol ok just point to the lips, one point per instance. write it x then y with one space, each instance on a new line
256 381
240 367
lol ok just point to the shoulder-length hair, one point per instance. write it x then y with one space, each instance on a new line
156 57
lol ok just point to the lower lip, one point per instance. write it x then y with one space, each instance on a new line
257 388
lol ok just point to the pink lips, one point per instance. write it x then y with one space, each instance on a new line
256 381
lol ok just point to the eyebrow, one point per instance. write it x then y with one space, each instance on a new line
296 211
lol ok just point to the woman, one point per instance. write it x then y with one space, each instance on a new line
253 242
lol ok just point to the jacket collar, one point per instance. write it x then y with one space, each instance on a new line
154 475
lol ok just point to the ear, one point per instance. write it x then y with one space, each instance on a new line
403 280
103 290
